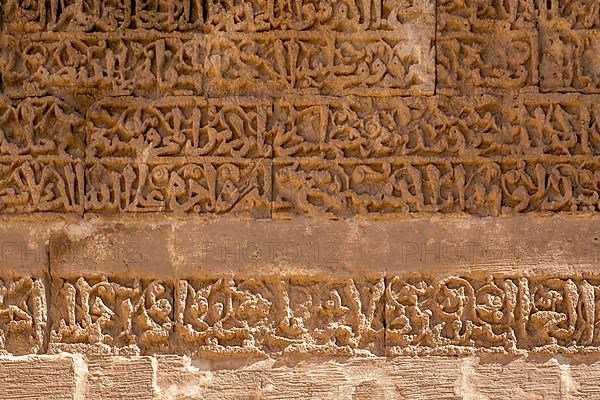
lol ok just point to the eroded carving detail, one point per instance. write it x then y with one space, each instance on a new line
180 126
392 63
219 316
458 314
104 15
574 14
111 317
204 185
487 188
382 63
570 61
31 185
335 15
40 126
476 15
273 316
96 64
495 59
23 315
460 127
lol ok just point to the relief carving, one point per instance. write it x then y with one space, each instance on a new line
569 61
138 129
111 317
219 316
477 16
23 315
239 16
102 64
451 315
382 63
103 16
41 185
343 189
389 127
322 15
469 61
274 316
44 126
392 63
286 109
216 186
570 14
463 127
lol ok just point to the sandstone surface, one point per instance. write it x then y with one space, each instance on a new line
317 199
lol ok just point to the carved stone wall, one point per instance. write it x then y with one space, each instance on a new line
308 199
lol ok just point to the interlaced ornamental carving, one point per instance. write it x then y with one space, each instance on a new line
270 316
324 108
286 109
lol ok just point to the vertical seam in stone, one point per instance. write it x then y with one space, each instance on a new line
155 388
272 158
48 298
435 47
538 16
466 389
81 373
204 5
566 384
384 316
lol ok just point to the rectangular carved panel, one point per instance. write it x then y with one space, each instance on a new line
494 313
460 126
136 128
350 127
243 16
381 63
180 185
219 316
334 189
111 317
274 316
569 61
342 189
367 63
23 315
356 127
483 61
95 64
334 15
41 185
103 15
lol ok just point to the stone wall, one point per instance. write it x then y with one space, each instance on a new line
392 199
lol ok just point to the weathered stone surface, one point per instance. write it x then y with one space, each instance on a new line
570 61
447 378
334 15
498 59
49 377
103 16
163 248
487 46
142 129
575 14
370 63
115 377
193 186
300 200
